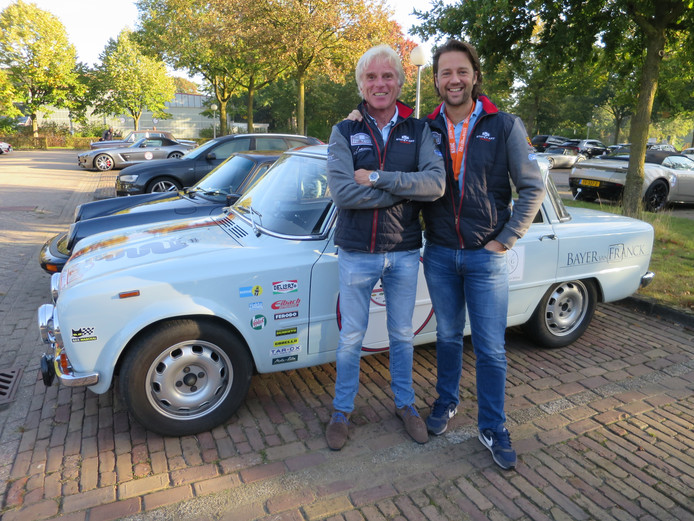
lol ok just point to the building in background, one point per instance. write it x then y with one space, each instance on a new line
186 122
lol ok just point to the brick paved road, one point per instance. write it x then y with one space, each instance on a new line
604 428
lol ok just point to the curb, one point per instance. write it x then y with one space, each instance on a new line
651 307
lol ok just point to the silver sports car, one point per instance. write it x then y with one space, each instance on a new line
561 157
145 149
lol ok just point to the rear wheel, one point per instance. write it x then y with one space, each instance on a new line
163 184
175 155
655 198
563 314
551 162
103 162
185 376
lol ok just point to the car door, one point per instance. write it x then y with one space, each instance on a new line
146 151
683 169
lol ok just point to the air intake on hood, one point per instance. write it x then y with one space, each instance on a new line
233 229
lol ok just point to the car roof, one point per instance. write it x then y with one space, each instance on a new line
259 154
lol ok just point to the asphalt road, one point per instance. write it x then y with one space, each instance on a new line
604 428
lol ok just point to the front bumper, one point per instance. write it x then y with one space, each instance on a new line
50 258
55 361
123 188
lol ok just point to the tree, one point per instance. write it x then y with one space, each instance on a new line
325 35
128 81
569 34
38 58
185 86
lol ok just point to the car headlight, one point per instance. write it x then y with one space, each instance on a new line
128 178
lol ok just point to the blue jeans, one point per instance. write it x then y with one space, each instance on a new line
478 279
359 273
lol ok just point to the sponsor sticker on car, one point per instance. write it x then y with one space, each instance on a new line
285 286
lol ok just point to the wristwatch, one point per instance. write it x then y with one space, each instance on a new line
373 177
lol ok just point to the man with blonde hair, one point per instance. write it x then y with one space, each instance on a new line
380 171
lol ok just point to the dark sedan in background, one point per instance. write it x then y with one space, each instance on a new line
218 189
167 176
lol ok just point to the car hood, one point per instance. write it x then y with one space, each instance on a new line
161 246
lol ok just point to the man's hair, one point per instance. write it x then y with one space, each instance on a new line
385 53
464 47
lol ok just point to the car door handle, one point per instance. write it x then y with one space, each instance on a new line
549 236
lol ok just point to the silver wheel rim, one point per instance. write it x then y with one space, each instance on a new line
189 380
164 186
175 155
566 308
104 162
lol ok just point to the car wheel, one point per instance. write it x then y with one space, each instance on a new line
103 162
185 376
655 198
563 314
163 184
175 155
551 162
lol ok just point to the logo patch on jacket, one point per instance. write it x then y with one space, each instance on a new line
360 139
437 137
486 136
404 139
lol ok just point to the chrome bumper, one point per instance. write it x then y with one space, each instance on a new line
647 279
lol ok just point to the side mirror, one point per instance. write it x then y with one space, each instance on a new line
211 156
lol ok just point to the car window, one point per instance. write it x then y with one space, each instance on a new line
678 163
260 171
296 142
227 148
270 143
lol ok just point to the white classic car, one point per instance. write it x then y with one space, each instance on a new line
184 312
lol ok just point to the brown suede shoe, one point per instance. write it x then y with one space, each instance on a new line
337 430
414 425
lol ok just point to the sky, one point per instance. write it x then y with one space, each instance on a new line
91 23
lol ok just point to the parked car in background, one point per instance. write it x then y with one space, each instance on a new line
665 147
542 141
586 147
187 311
135 135
5 148
209 196
561 157
668 178
167 176
145 149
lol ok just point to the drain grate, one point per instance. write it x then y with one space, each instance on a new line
9 378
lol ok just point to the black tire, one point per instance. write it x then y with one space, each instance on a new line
103 162
655 198
175 155
563 314
185 376
163 184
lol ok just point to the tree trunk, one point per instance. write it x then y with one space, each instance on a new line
249 107
641 121
301 82
223 131
35 125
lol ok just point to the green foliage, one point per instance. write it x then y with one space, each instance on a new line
39 60
128 81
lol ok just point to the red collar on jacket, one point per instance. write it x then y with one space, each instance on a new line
487 107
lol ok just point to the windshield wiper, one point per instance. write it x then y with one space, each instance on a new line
256 230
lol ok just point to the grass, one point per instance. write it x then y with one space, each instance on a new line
672 259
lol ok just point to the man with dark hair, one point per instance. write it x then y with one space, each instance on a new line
468 232
379 169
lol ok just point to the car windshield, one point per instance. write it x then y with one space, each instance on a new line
292 199
226 178
201 150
